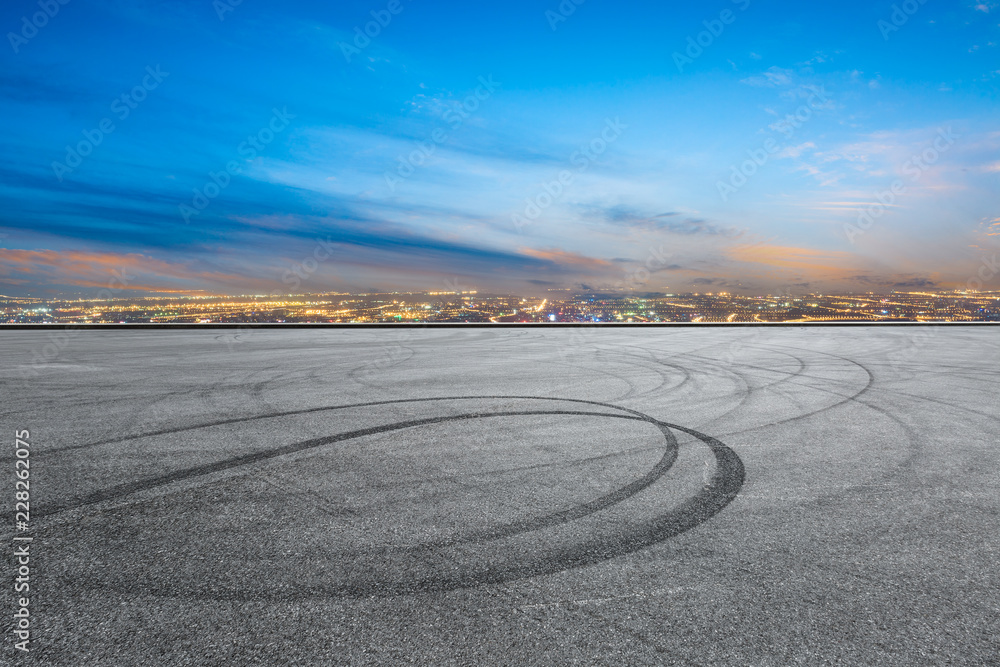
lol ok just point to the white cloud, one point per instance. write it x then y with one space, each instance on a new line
795 151
775 76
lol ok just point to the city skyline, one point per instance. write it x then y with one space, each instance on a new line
745 147
472 306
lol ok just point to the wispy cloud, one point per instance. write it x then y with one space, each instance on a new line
672 222
772 77
125 271
564 258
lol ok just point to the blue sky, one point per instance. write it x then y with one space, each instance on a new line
745 146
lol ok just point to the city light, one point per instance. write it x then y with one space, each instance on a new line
429 307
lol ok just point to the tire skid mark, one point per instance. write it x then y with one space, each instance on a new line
289 413
723 487
130 488
912 440
658 471
572 463
355 373
581 510
845 398
715 495
777 386
957 406
629 359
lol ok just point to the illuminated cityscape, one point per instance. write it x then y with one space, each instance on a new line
474 307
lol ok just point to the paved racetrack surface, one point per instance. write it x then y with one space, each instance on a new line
733 496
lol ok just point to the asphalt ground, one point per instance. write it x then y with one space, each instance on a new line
744 496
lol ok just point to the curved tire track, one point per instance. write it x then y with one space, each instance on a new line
500 565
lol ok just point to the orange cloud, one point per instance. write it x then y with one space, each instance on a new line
571 258
808 263
102 269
